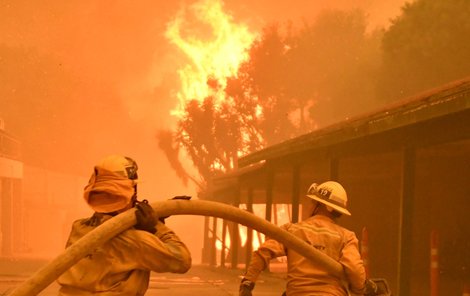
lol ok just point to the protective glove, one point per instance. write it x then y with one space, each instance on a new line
371 288
184 197
145 216
94 220
246 287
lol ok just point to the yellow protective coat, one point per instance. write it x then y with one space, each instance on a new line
122 265
306 278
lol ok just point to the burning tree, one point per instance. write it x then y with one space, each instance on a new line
214 136
212 128
240 93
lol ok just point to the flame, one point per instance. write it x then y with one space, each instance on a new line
215 46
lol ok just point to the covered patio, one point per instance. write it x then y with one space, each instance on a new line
406 170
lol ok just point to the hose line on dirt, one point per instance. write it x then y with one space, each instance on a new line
112 227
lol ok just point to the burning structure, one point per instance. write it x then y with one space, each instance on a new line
406 171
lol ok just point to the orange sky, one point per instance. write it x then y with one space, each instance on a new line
107 78
119 47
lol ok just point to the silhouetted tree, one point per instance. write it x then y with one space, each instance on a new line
323 73
171 148
426 46
332 66
264 78
212 135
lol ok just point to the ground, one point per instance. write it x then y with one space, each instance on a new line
199 280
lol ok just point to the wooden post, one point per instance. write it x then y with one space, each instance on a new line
269 194
434 264
235 238
206 249
213 261
295 193
405 238
249 231
224 237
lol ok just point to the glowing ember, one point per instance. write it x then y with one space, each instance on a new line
215 46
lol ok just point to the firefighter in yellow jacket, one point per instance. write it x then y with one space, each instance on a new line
304 277
122 265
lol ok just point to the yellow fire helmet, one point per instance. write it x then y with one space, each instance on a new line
122 165
331 194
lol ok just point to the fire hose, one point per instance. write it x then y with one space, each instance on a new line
112 227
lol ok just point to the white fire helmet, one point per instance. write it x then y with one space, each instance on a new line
122 165
331 194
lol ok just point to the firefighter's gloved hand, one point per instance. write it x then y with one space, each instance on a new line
246 287
145 216
184 197
94 220
371 288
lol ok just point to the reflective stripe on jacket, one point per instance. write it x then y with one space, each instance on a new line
122 265
304 277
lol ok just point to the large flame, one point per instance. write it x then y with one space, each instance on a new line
215 46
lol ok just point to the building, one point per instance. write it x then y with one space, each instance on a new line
37 205
11 175
406 169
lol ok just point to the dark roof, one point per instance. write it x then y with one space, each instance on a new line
435 103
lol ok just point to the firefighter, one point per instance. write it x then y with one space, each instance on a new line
304 277
122 265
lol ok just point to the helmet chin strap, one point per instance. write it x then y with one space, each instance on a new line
317 204
134 197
